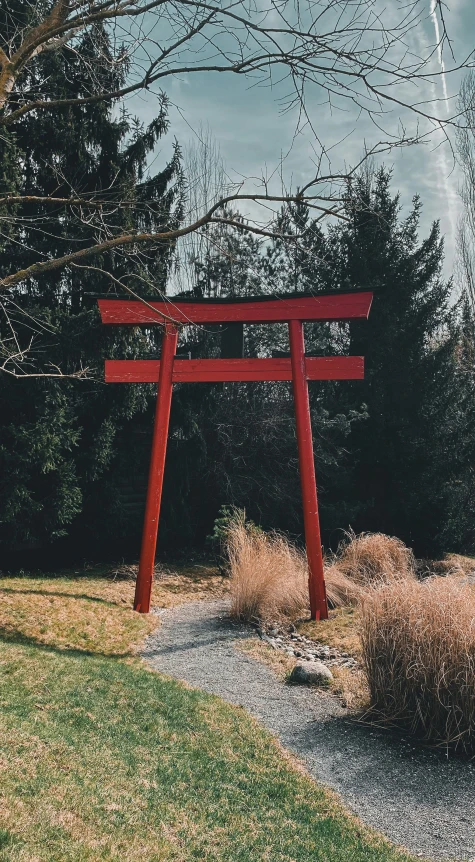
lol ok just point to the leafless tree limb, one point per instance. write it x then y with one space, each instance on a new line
350 51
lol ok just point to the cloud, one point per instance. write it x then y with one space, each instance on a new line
253 132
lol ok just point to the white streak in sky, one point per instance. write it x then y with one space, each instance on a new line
442 161
435 21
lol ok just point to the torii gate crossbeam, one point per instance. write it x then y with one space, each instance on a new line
172 313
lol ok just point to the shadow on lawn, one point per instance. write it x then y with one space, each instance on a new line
60 594
9 636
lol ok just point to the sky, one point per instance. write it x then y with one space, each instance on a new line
252 133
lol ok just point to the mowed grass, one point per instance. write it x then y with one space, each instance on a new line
102 759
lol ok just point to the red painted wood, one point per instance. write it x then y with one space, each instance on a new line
143 587
212 370
316 581
343 306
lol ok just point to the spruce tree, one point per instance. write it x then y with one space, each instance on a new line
235 443
59 437
402 459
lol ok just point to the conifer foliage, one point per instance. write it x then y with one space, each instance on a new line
392 452
58 435
402 453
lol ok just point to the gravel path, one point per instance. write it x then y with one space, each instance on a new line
417 798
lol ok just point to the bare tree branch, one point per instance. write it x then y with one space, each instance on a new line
352 52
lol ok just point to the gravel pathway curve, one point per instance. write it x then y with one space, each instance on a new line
417 798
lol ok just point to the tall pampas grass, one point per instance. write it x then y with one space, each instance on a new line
268 575
374 558
418 642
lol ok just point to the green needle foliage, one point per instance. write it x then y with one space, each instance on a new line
58 436
393 452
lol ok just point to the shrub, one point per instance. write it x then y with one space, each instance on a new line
342 591
418 643
228 517
268 575
374 558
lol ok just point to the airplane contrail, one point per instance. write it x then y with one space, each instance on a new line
443 164
435 21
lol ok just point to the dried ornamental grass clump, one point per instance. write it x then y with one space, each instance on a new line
363 562
268 575
418 643
453 565
374 558
342 591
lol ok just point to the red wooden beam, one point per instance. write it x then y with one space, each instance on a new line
341 306
228 370
143 587
316 579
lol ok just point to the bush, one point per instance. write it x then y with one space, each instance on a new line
342 591
364 561
228 517
418 643
268 575
374 558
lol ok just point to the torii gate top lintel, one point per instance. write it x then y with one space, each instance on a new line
174 312
256 309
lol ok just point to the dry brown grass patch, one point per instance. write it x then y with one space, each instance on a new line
94 614
365 561
268 575
57 614
374 558
419 656
453 565
342 591
340 631
351 687
276 659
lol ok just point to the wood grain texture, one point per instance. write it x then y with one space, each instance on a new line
343 306
229 370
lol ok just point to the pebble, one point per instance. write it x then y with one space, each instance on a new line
298 646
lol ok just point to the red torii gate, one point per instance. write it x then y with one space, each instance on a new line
174 312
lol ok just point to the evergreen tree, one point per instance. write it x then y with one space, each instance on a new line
235 443
58 437
403 452
392 452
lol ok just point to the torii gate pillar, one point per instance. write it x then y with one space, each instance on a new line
293 309
143 589
316 580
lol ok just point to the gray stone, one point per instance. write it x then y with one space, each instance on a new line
315 673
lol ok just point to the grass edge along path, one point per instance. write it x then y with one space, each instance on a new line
103 760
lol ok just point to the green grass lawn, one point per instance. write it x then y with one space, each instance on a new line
102 759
